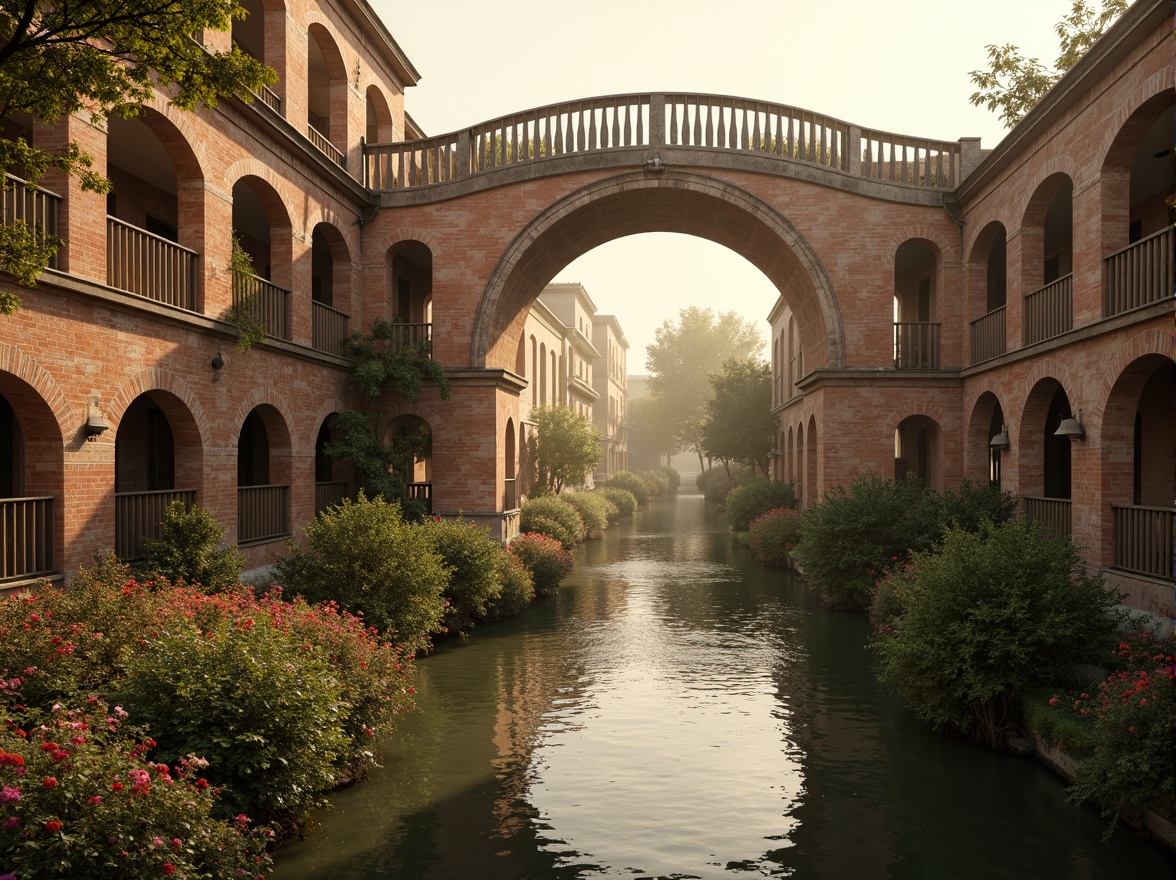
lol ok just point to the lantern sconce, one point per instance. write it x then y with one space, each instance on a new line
1072 428
96 424
1001 440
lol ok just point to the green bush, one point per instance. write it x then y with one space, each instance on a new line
716 485
518 588
612 513
972 504
1059 718
593 510
80 799
624 500
985 617
746 502
656 482
673 478
773 535
631 482
472 558
189 550
545 525
1133 764
546 560
851 536
264 712
553 507
363 555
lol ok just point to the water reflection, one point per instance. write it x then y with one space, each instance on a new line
678 712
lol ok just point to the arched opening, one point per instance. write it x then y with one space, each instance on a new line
543 372
988 440
330 289
1138 461
810 462
1045 457
789 464
263 234
154 224
916 328
798 467
1136 183
533 375
1047 260
520 367
326 94
378 129
413 434
263 477
917 452
32 483
510 496
409 269
988 293
331 475
158 459
262 35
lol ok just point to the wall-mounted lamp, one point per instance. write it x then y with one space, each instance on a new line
1001 440
96 424
218 361
775 453
1072 428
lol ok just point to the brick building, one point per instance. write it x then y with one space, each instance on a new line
934 299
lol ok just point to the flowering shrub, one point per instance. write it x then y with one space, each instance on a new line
363 555
1133 766
773 535
466 549
79 798
518 588
748 501
983 618
537 512
624 500
546 559
265 713
593 511
188 549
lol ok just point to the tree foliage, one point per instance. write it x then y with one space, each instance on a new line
653 425
104 59
1012 84
684 355
567 448
740 426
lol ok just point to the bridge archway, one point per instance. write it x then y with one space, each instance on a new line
638 202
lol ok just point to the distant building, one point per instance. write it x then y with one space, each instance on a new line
612 415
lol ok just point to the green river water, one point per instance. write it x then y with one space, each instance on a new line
679 712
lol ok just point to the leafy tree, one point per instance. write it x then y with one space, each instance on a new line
740 426
383 364
684 355
105 59
652 427
1012 84
567 447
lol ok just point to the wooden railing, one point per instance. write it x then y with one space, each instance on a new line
509 495
1052 512
263 302
149 265
674 120
261 513
270 98
916 345
328 328
1049 311
420 492
36 207
405 335
988 336
1141 273
325 146
138 515
1143 540
329 494
26 537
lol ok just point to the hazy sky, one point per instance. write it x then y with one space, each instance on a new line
900 67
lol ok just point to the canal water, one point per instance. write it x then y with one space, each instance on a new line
679 712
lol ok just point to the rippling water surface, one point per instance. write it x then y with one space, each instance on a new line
678 712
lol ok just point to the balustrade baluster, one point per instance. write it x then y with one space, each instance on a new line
591 127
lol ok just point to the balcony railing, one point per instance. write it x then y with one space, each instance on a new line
38 208
420 492
138 515
261 513
149 265
405 335
509 495
328 328
263 302
916 345
988 336
1141 273
26 538
1049 311
329 494
1052 512
320 141
270 98
1143 540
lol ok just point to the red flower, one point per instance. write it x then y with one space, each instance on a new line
202 784
53 825
50 782
118 786
168 869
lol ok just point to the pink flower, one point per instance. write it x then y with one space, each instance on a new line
96 799
157 840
